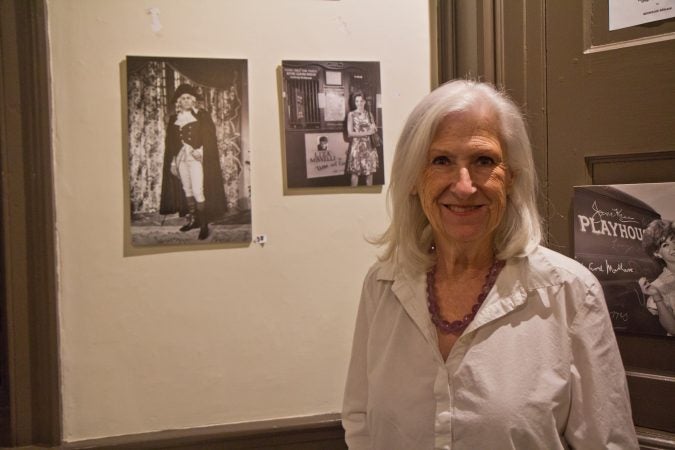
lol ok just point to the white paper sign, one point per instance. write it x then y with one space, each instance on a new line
627 13
325 154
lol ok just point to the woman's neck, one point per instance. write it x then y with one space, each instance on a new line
453 260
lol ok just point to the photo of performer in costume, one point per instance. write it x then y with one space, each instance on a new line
192 182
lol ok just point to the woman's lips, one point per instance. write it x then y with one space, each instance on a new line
463 208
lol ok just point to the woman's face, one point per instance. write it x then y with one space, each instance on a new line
185 102
360 102
666 251
464 183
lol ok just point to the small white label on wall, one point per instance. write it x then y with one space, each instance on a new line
627 13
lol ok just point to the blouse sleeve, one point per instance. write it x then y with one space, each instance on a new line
356 391
600 414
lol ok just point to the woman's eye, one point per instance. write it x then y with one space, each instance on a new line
485 161
440 161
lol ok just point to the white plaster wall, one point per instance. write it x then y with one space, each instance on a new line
198 338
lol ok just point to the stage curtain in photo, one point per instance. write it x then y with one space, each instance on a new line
146 121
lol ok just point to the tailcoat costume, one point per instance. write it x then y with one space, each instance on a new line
199 133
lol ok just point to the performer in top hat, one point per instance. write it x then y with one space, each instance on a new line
192 184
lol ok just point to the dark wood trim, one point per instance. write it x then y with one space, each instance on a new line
6 56
593 161
29 277
655 440
447 51
466 40
299 433
645 156
651 393
520 67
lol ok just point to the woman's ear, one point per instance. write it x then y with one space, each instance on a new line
413 190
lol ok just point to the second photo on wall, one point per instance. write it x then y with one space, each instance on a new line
332 124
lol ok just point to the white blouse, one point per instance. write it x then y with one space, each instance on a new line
538 368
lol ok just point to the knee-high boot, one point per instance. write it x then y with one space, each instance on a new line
192 219
203 220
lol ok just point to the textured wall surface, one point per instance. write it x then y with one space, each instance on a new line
197 337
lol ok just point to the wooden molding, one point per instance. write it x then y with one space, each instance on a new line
298 433
655 440
29 320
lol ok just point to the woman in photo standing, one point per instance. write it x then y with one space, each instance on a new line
362 159
192 181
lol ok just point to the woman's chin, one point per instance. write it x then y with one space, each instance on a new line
466 235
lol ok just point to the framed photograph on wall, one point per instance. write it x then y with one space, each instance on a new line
188 150
624 234
332 123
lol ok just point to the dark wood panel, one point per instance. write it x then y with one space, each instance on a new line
655 440
651 167
653 352
29 278
652 399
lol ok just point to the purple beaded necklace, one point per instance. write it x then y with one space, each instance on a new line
459 325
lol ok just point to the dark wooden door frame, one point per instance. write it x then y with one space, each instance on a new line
31 412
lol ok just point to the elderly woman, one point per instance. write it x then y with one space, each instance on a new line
470 335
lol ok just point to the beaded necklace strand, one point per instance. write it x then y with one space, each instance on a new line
459 325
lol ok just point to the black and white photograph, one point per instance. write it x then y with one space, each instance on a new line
333 124
625 235
188 150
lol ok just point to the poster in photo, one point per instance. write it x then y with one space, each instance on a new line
188 150
333 123
625 236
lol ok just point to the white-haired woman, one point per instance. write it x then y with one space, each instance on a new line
470 335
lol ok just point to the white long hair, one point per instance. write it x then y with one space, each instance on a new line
409 236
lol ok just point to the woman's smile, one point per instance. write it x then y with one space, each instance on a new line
463 210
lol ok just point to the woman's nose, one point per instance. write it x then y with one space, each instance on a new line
463 187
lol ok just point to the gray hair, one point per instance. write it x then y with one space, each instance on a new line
409 236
